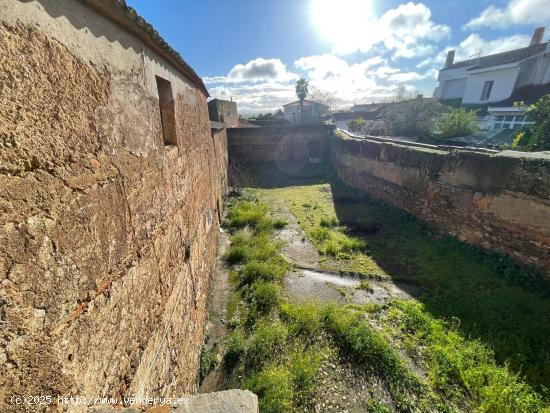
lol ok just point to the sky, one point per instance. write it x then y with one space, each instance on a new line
359 51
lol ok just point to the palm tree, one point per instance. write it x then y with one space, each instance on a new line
301 93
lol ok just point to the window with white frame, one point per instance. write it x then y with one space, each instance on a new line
511 121
487 88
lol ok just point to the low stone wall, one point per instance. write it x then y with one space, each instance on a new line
291 147
500 201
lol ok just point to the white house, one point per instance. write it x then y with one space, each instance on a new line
313 111
494 79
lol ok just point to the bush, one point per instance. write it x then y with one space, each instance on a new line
274 389
235 348
207 362
246 213
267 341
368 347
304 367
329 222
458 122
357 125
535 137
414 117
302 319
263 297
261 271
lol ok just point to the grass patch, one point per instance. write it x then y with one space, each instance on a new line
492 299
457 365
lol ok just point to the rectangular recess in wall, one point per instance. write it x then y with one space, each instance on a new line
167 111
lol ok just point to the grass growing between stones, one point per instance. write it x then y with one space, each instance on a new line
488 334
276 348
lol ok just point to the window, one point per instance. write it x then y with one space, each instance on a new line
487 87
167 111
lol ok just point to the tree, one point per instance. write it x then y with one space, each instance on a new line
357 125
535 137
415 117
458 122
301 93
320 96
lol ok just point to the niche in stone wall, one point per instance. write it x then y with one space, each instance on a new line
167 111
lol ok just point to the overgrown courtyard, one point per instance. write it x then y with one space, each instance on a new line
475 337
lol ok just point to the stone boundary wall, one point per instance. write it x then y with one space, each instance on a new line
500 201
107 233
297 145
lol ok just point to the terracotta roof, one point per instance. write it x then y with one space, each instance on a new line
500 58
127 18
526 94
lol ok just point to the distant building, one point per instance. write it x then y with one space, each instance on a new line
313 111
496 81
493 78
224 111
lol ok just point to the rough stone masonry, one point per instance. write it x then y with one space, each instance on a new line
109 211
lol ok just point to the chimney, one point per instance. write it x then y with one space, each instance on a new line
450 58
538 34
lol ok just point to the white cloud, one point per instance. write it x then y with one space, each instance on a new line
257 70
367 80
515 12
407 30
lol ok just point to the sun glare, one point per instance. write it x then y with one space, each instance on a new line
338 21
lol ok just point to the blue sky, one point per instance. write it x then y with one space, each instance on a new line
356 50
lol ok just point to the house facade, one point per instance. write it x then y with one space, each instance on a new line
498 80
313 112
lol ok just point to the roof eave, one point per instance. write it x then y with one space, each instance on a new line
127 18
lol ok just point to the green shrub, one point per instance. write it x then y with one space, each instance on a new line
235 347
458 122
454 361
261 271
268 340
263 297
332 248
274 389
329 222
365 286
302 319
352 244
320 234
535 137
236 254
304 366
245 213
367 347
207 362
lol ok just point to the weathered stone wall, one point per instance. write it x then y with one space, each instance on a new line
500 201
278 143
107 236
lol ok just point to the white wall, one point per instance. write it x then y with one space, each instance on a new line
453 89
504 81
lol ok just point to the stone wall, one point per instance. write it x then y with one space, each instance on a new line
291 147
500 201
108 237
